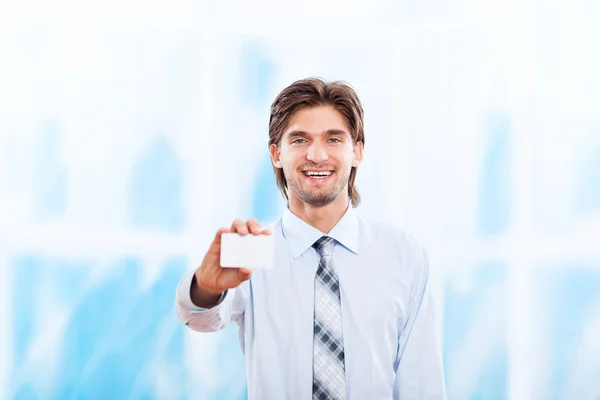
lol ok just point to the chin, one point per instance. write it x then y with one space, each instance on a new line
318 199
318 202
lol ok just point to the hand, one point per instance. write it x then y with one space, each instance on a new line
211 280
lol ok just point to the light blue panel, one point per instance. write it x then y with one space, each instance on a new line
572 292
474 313
495 188
588 199
161 84
156 189
50 179
119 338
267 201
256 72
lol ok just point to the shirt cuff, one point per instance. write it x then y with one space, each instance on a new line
184 293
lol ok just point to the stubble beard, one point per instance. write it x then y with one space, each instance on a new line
317 198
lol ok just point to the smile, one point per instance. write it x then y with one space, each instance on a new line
318 175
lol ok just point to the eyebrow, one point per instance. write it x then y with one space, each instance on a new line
328 131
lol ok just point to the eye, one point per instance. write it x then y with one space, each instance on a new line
295 141
335 140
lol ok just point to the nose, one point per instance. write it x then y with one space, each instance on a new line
316 152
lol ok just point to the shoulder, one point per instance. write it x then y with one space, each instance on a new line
388 232
393 238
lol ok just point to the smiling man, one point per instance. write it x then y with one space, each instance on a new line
346 312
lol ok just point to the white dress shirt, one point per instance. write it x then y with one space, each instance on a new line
391 338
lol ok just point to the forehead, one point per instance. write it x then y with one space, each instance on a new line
316 120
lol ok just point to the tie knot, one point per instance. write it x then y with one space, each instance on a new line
324 246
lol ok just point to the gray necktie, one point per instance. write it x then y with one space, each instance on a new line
329 377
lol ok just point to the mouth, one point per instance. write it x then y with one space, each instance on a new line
317 176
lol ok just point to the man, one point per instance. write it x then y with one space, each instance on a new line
346 312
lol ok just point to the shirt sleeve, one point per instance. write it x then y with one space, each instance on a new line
419 364
230 307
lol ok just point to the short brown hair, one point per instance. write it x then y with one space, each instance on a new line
315 92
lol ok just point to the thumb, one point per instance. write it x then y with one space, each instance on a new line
244 274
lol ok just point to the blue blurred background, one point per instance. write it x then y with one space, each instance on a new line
131 131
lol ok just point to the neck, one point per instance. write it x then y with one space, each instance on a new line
323 218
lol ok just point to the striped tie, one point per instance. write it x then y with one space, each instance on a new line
329 377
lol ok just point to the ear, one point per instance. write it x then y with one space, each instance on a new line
358 154
275 156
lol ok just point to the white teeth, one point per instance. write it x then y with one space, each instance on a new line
318 174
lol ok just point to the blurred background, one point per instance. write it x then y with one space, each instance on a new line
131 131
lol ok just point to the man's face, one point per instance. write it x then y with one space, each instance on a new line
316 154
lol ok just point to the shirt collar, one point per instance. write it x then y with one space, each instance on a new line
300 236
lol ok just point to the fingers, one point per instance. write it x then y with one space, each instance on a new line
217 239
252 226
239 226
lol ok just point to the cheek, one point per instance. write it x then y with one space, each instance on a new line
348 158
292 160
289 165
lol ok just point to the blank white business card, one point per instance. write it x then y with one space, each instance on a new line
248 251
